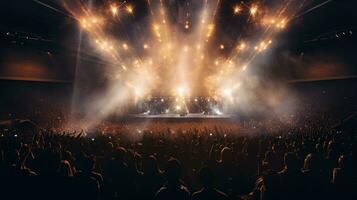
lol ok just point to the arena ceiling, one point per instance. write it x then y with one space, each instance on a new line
43 32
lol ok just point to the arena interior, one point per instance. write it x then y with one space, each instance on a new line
178 99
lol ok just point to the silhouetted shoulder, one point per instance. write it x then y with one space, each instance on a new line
178 193
211 194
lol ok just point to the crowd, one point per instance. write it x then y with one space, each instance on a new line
213 163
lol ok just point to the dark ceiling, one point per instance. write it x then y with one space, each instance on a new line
29 26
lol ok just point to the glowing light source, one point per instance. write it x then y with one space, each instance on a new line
125 46
90 21
114 9
137 93
156 27
221 46
210 27
84 23
169 46
178 107
242 46
281 24
187 26
94 20
129 9
227 92
181 91
145 46
237 9
210 30
253 10
218 112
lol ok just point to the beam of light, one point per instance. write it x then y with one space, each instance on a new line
182 91
52 8
314 8
227 92
178 61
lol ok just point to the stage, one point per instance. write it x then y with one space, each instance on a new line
179 116
174 117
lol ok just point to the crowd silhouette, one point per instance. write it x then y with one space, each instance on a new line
302 163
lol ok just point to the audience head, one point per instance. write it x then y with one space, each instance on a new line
65 169
173 170
291 161
206 177
150 165
87 164
119 154
226 155
311 162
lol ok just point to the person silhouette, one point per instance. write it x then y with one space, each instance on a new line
208 191
173 189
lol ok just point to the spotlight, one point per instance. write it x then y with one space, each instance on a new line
94 20
114 9
178 107
253 10
237 9
217 111
156 27
227 92
129 9
125 46
137 93
242 46
181 91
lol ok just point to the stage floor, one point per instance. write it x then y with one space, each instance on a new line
178 116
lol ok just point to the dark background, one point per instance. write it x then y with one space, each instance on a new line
39 47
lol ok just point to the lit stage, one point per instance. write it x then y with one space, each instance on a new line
174 117
179 116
